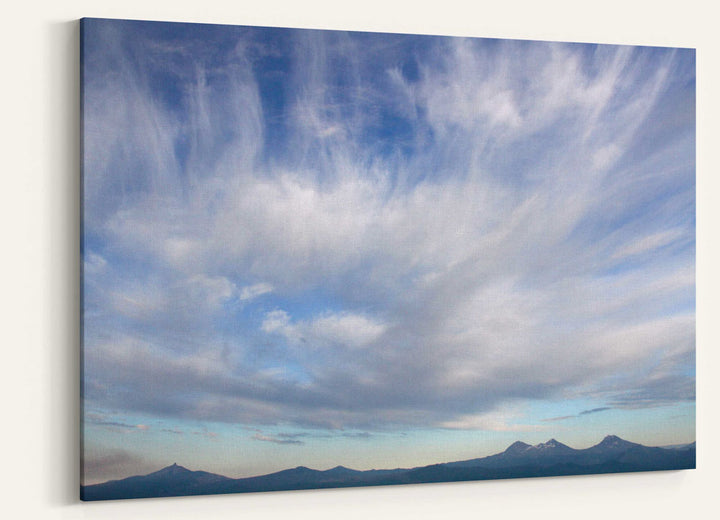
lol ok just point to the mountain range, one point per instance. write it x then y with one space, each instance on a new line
519 460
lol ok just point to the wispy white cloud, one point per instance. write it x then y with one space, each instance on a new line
327 330
276 440
506 421
651 242
253 291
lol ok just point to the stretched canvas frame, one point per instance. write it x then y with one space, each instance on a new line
326 259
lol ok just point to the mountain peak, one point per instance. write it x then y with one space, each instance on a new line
173 469
552 443
175 465
611 439
614 442
517 447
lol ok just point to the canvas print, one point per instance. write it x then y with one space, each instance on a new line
321 259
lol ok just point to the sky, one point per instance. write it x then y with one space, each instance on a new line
322 248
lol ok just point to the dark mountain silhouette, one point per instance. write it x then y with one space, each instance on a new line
519 454
519 460
170 481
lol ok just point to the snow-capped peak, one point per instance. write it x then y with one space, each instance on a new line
517 447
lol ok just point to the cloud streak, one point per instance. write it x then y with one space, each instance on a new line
584 412
276 440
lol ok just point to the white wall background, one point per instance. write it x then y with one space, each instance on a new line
39 283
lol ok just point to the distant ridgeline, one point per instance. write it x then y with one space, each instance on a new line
520 460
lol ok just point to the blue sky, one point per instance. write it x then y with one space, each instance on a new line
321 248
